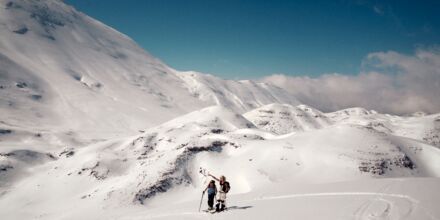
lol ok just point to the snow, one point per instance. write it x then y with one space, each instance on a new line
155 174
68 66
284 118
93 127
240 96
372 199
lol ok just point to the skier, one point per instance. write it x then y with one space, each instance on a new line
224 188
212 191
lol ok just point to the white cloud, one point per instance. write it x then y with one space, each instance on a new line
390 82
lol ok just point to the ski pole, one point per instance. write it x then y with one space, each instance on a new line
200 206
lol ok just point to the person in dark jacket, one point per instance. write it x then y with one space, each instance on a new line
212 191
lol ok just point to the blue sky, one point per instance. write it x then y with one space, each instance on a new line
238 39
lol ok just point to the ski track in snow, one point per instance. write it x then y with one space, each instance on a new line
375 208
364 212
381 206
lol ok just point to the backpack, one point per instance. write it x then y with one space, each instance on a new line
226 187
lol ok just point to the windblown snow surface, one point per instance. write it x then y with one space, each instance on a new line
93 127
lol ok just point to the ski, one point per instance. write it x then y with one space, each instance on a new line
213 211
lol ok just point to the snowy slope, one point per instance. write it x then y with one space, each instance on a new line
79 68
240 96
284 118
160 167
364 200
59 65
424 128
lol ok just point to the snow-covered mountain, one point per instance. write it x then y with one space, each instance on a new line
240 96
94 127
59 65
283 118
160 168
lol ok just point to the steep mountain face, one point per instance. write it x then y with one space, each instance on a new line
59 65
80 68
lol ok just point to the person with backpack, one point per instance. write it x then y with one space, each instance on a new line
212 191
224 188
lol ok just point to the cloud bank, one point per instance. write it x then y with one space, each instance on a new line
389 82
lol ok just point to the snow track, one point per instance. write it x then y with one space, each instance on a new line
371 206
376 206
